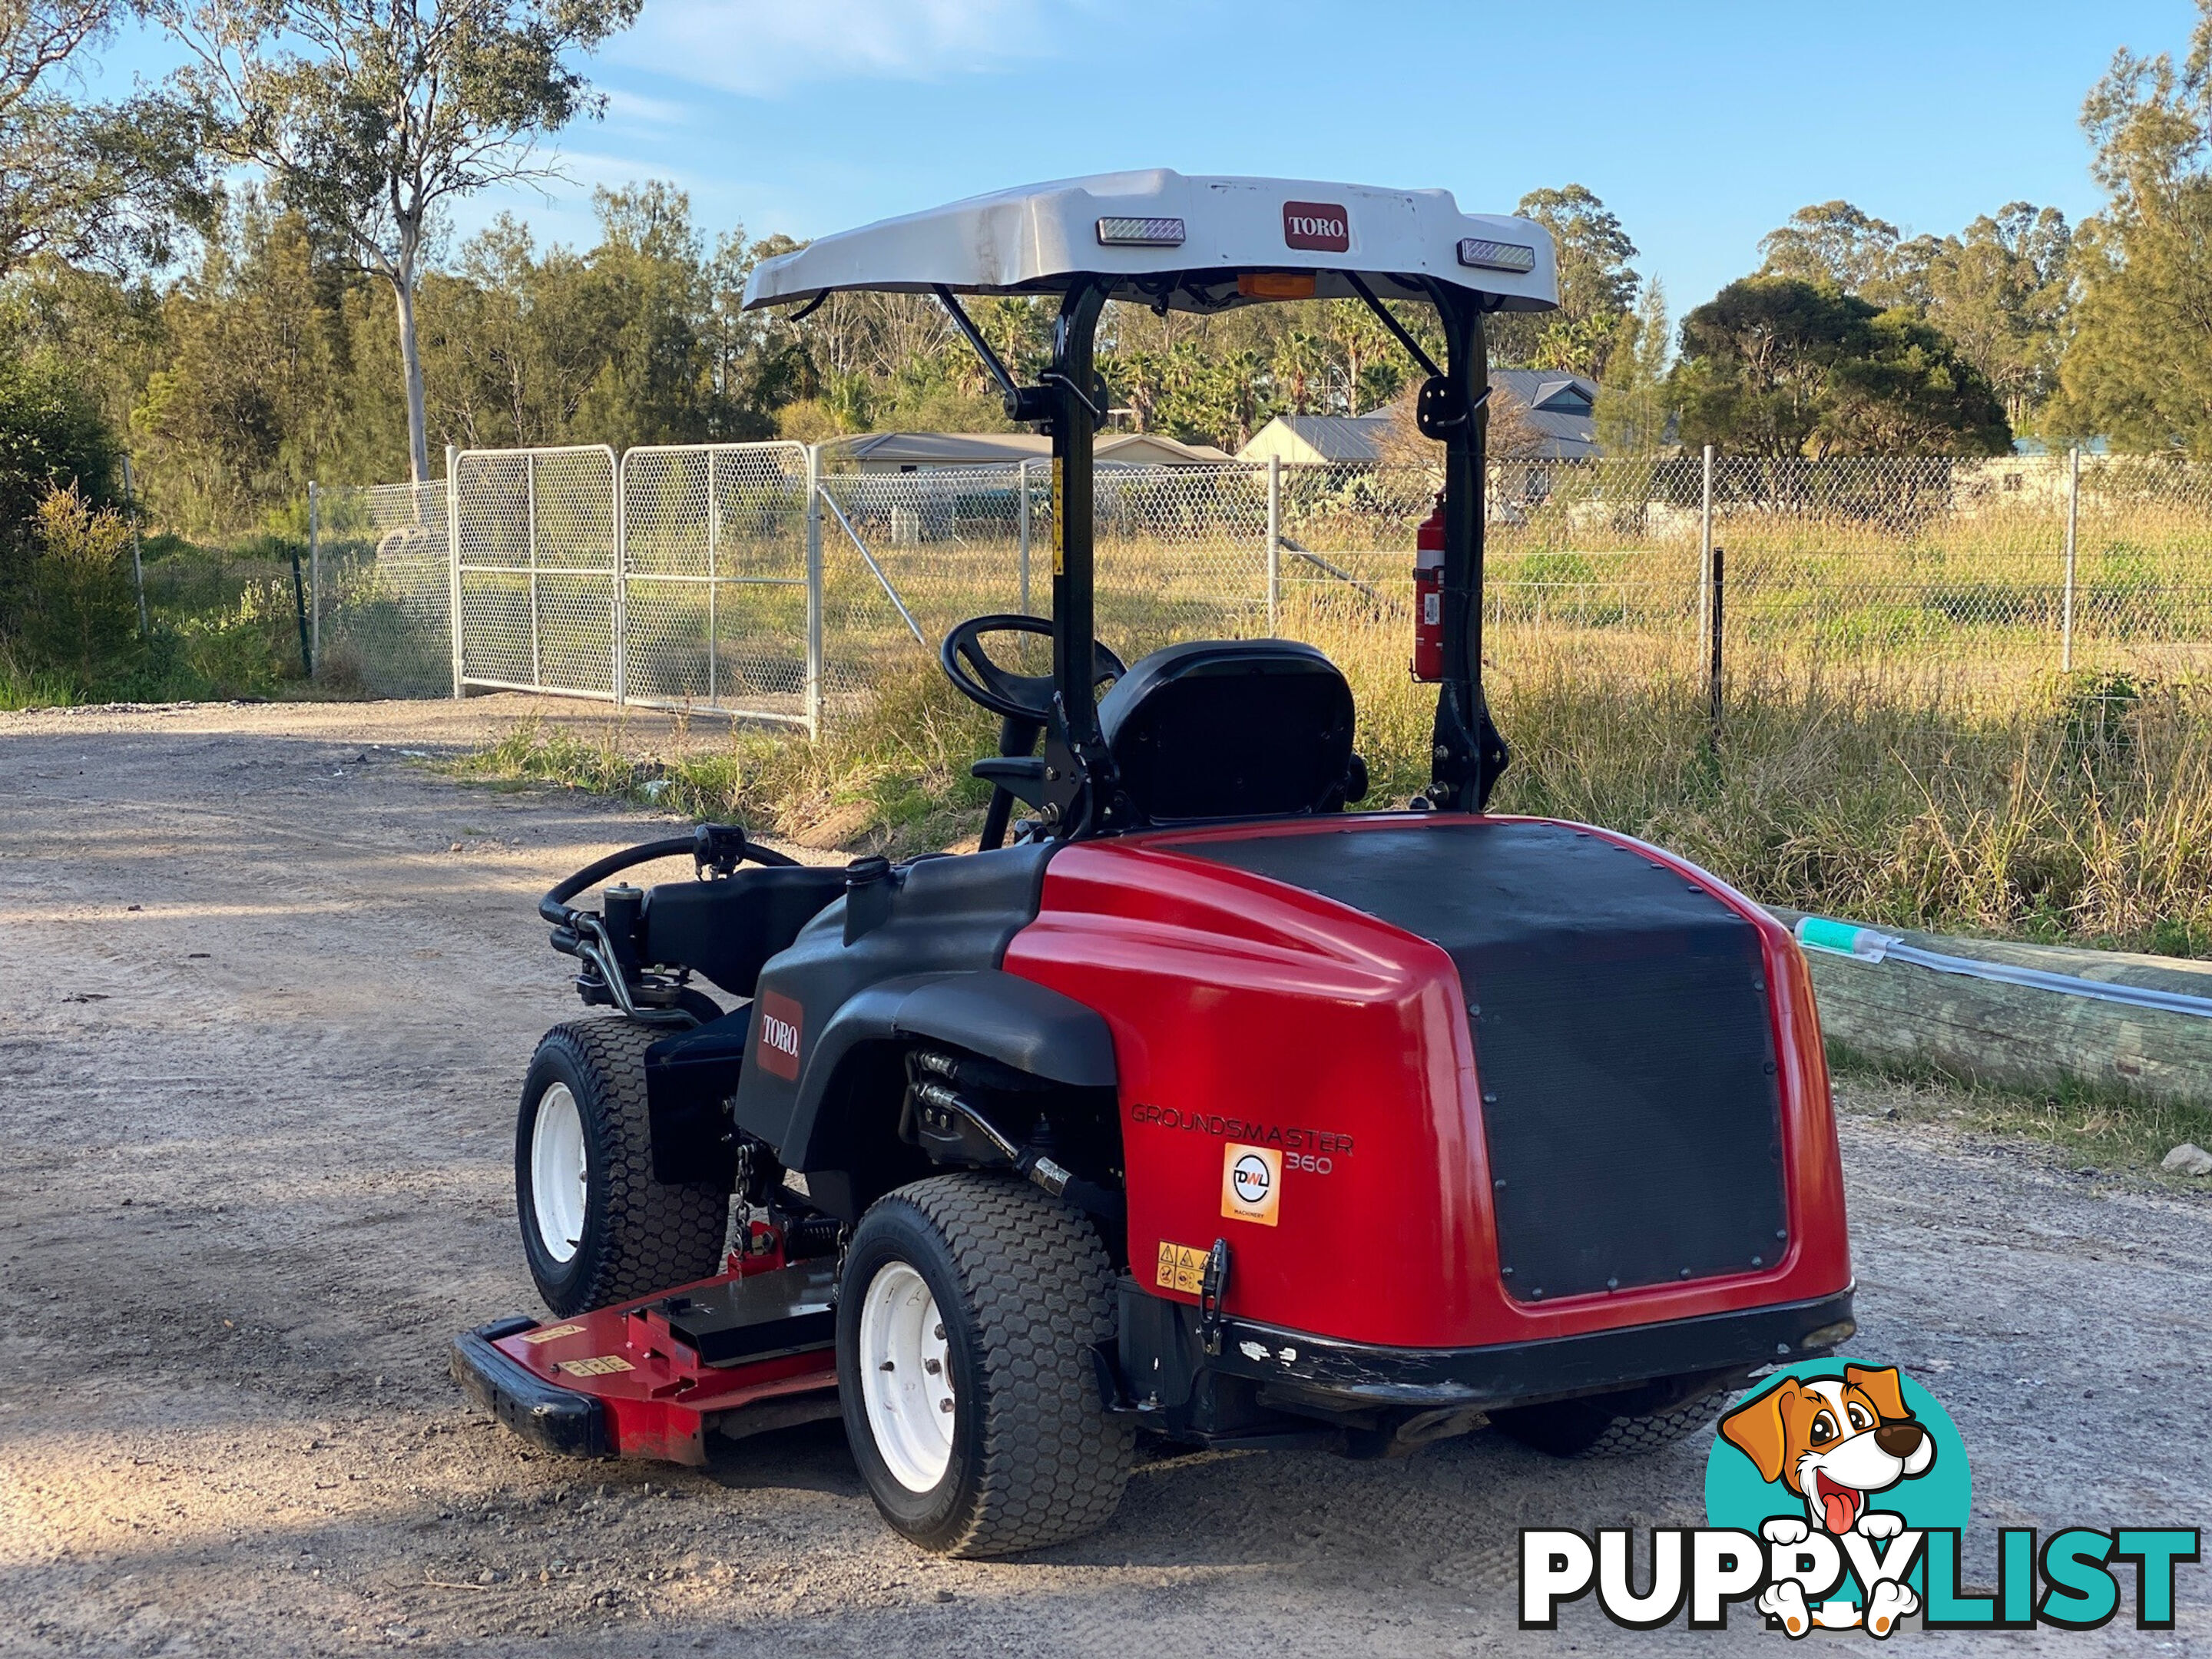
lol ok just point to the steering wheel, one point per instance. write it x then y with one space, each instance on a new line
1009 696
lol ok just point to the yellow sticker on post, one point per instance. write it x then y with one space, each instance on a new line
1059 523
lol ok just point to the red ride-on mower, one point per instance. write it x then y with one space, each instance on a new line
1195 1104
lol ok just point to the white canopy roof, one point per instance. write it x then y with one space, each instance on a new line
1186 241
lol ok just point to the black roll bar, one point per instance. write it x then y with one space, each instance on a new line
1468 753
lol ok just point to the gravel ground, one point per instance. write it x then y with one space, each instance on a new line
276 988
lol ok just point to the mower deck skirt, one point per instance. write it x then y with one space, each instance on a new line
751 1350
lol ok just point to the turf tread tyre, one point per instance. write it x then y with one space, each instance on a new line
640 1235
1575 1428
1036 1289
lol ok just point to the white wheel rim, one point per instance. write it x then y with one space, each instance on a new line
906 1378
557 1187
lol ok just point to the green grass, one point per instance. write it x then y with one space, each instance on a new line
894 778
221 623
2103 1131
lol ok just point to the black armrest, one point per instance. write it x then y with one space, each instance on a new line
1022 779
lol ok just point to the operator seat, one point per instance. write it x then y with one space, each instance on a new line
1233 728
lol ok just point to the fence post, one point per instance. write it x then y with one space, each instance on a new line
814 590
713 573
620 652
2073 517
1705 557
530 524
1274 541
138 563
1714 597
315 570
1023 467
453 561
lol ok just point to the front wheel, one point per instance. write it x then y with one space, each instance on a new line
966 1316
596 1228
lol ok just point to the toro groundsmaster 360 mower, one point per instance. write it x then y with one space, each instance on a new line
1196 1103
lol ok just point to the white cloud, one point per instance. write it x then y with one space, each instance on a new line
635 109
763 47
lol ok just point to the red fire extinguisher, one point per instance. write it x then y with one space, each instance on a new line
1428 596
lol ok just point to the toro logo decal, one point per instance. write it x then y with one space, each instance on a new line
1836 1497
1317 227
782 1023
1251 1183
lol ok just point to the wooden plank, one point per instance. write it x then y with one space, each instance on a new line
2017 1035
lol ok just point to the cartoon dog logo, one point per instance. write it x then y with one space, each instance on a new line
1833 1443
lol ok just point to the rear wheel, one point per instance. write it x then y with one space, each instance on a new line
965 1320
596 1226
1634 1423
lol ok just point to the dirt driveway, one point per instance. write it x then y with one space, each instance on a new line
270 989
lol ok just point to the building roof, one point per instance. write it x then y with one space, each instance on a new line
1561 407
1316 440
884 452
1170 241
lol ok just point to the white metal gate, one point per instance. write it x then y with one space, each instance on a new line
537 570
720 588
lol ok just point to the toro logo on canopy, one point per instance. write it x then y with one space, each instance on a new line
1320 226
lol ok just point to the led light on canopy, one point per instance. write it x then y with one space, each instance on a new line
1141 233
1482 255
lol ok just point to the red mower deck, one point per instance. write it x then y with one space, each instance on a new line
751 1350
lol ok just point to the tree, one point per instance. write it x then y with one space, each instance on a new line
1633 410
1777 366
84 182
249 397
1832 242
1597 288
2000 290
2139 367
370 119
50 438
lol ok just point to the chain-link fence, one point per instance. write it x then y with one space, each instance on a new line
744 578
381 619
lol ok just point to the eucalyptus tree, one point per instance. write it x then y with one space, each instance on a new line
372 117
87 182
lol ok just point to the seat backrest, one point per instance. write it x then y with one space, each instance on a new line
1231 728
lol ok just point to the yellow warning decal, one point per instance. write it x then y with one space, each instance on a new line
551 1331
605 1365
1059 522
1182 1268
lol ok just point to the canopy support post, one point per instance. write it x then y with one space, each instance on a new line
1082 795
1469 754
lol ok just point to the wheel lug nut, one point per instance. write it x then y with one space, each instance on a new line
944 1404
931 1366
887 1366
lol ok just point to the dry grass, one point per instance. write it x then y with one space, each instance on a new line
2084 812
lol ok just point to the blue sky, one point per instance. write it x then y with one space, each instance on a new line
1703 126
